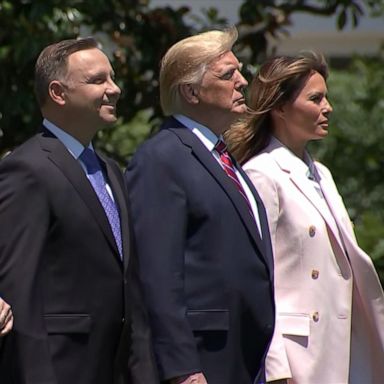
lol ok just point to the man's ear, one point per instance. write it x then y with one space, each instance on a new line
189 93
56 92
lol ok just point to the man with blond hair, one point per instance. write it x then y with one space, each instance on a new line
201 230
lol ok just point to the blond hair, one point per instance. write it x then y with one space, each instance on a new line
186 62
278 80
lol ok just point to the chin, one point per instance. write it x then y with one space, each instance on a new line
109 119
239 112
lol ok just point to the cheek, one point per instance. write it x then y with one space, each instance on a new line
307 115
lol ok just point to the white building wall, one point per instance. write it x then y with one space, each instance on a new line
307 31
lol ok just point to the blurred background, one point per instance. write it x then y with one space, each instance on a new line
136 33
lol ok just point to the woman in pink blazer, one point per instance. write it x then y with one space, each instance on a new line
330 304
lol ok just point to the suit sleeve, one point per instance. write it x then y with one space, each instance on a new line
276 363
24 223
159 213
135 362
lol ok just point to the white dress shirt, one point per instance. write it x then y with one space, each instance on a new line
209 139
74 147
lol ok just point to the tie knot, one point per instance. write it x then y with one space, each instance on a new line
221 147
89 158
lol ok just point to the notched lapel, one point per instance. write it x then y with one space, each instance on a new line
189 139
284 161
72 170
121 203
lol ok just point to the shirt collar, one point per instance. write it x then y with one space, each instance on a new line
72 144
206 136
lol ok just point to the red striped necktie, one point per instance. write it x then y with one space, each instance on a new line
229 169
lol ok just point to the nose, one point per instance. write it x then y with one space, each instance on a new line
241 82
113 88
327 108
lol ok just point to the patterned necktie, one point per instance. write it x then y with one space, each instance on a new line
95 175
229 169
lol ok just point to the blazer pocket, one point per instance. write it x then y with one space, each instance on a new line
68 323
208 320
295 324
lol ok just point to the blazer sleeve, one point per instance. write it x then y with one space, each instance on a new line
24 223
276 364
159 216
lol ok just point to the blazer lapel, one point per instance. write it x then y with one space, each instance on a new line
208 161
286 162
333 203
72 170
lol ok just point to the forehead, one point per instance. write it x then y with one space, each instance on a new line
315 81
225 60
88 59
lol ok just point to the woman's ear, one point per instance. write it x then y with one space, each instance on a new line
279 111
188 91
56 92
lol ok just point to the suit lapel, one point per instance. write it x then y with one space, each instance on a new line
121 203
198 149
72 170
332 202
286 162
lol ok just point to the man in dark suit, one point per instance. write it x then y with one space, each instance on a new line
67 265
202 235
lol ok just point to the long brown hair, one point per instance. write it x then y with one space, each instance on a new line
277 81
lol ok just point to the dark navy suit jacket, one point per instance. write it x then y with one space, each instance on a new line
207 274
78 309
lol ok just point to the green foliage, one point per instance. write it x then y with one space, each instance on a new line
136 37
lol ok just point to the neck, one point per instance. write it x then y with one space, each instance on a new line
80 133
217 126
297 148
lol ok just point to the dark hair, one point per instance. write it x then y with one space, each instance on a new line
52 63
277 81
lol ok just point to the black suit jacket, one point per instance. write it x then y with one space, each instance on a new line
79 317
207 274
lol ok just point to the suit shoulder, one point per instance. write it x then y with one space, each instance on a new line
262 162
28 154
162 145
324 170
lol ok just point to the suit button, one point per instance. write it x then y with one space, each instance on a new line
312 230
315 274
315 317
123 320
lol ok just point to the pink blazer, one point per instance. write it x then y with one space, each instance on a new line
320 275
